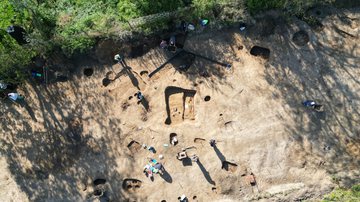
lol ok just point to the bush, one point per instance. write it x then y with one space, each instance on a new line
129 9
255 6
356 189
291 6
14 60
73 25
77 44
203 8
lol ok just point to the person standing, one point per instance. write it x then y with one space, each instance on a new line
120 60
212 142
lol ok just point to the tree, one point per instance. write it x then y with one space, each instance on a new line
14 59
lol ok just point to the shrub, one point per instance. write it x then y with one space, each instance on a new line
291 6
14 59
77 44
203 8
256 6
356 189
129 9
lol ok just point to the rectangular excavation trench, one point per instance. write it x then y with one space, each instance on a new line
179 104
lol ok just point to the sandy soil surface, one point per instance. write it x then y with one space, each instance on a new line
71 133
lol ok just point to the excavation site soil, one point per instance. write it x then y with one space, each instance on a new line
86 137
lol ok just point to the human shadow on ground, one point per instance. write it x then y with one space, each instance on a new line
166 176
205 173
25 104
126 70
220 155
132 77
145 103
186 162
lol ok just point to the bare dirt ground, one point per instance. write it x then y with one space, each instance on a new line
71 133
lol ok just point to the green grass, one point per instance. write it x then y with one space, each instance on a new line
351 195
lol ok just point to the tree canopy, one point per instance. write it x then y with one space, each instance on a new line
74 25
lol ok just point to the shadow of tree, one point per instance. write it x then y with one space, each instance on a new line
49 152
210 59
323 70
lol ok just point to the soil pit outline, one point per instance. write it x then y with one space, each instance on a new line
134 146
179 104
300 38
260 51
88 72
130 184
229 166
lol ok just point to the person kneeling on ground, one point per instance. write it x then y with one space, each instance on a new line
309 103
172 44
15 96
163 44
160 168
312 104
172 41
139 96
148 172
174 141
